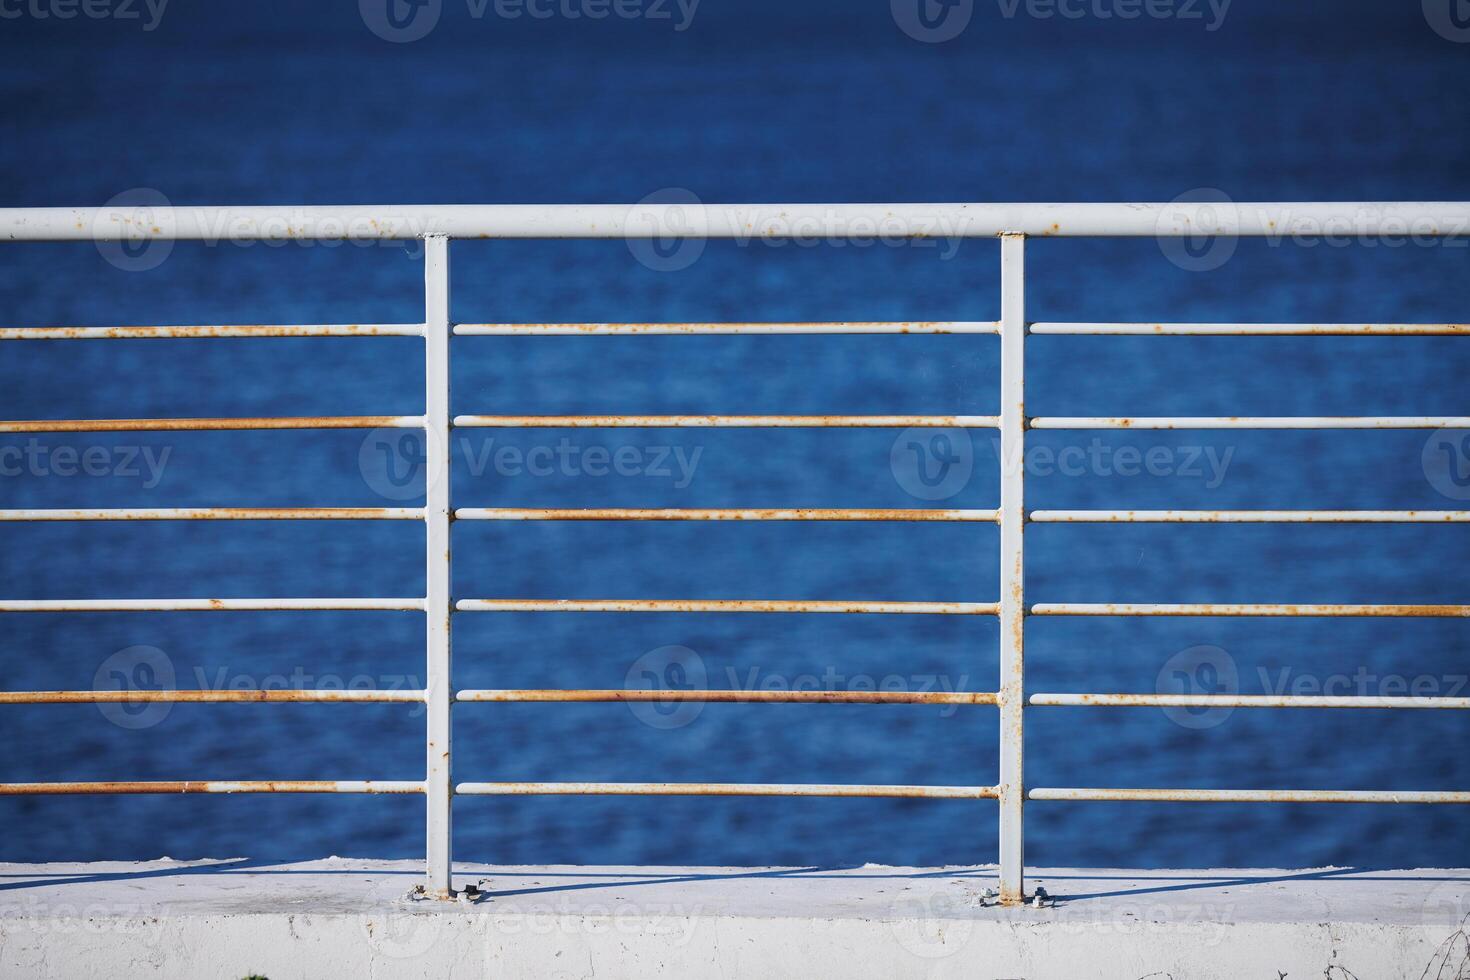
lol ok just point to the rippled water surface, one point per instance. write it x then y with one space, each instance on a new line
263 106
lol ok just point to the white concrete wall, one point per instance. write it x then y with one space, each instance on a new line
349 919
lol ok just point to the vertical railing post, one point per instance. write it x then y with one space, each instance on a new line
1012 562
438 790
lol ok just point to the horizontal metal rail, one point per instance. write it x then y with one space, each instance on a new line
1242 701
218 514
1243 609
203 605
1248 795
713 789
727 606
1241 422
730 697
725 789
734 221
217 425
211 786
499 789
717 514
1254 329
221 696
714 329
214 332
1249 516
723 421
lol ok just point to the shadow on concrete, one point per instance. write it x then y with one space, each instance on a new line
1167 881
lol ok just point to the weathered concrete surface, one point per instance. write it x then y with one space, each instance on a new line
347 918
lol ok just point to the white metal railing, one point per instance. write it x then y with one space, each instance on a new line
1012 224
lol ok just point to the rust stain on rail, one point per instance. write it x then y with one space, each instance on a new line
293 513
1249 516
726 605
206 786
725 421
1304 329
207 696
725 789
1249 795
214 514
1248 701
732 327
206 331
734 697
722 514
208 425
1249 609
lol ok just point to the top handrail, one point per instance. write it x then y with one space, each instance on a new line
735 221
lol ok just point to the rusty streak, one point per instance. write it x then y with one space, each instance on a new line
1254 422
725 605
210 786
204 605
1243 701
1250 516
723 789
1256 329
724 421
214 332
207 696
1241 609
1250 795
657 329
715 514
735 697
212 425
218 514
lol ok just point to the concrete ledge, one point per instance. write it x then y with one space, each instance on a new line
352 918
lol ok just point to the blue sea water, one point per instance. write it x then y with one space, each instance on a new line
270 104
